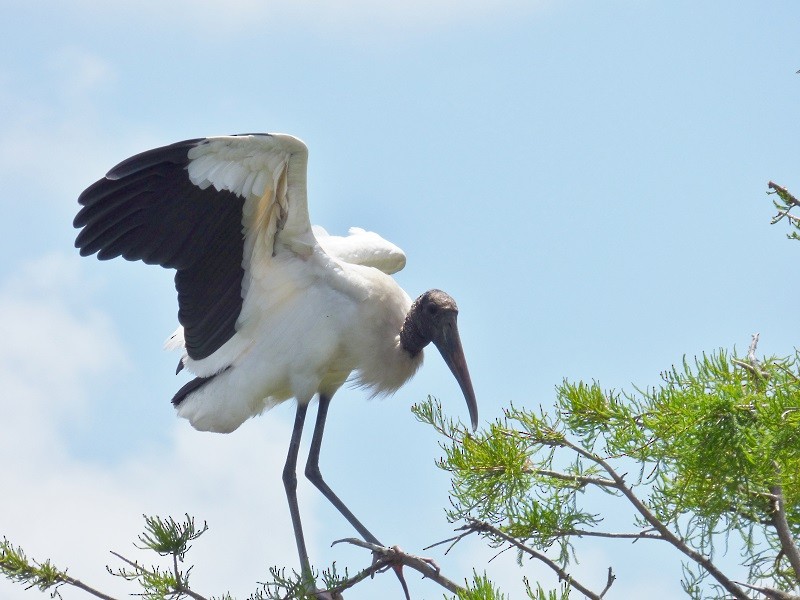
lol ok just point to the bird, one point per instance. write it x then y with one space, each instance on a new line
271 308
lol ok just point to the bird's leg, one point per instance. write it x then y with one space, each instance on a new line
315 477
290 483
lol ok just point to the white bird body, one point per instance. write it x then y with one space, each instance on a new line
270 308
354 315
303 284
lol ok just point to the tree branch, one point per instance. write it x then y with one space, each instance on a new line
665 532
179 588
16 566
583 480
611 579
644 535
474 525
751 364
770 593
82 586
790 201
784 532
394 557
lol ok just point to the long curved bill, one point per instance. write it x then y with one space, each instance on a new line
449 345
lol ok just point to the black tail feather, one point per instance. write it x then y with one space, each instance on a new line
190 387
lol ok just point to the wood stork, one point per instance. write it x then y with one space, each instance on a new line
270 308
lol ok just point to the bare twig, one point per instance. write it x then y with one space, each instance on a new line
133 564
751 351
395 557
751 364
455 539
611 579
474 525
643 535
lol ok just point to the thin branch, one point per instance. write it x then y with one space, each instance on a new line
665 532
644 535
176 571
482 526
583 480
748 367
751 351
771 593
180 588
784 532
80 585
17 567
455 539
133 564
752 364
795 220
393 557
190 593
611 579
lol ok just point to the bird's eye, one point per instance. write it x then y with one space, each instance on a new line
432 309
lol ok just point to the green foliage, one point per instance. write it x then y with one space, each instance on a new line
16 566
480 589
785 203
296 586
166 537
283 586
541 594
723 436
169 537
703 454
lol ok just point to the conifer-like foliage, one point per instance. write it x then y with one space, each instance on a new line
711 454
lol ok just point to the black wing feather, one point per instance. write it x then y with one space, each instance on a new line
191 386
147 209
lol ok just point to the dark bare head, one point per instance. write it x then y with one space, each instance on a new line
433 318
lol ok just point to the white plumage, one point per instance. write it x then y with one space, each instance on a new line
270 308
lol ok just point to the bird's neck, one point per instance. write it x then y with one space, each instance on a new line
411 339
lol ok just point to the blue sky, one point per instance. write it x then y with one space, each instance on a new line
586 179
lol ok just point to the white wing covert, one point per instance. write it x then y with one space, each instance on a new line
362 247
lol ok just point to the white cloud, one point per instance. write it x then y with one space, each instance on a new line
58 133
413 14
336 16
53 345
47 348
79 73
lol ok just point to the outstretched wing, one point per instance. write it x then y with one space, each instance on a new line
207 207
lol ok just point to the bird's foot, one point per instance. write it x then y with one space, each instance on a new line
398 570
431 562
